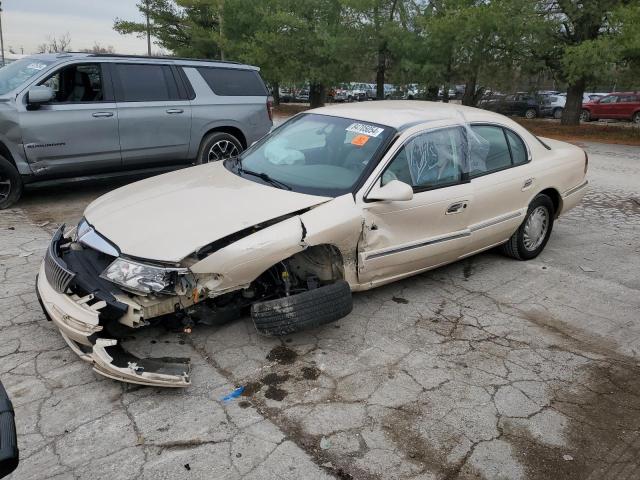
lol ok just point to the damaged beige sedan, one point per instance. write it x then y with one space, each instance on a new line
335 200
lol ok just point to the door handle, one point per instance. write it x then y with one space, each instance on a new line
102 114
527 183
175 110
456 207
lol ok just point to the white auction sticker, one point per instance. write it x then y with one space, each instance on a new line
364 129
37 66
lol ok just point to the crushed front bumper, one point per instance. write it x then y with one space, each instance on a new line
78 317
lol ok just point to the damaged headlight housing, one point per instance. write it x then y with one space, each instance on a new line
140 277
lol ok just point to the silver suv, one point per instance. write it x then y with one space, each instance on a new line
78 115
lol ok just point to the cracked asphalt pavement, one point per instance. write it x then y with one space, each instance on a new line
485 369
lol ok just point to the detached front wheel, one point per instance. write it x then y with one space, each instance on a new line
532 236
10 184
301 311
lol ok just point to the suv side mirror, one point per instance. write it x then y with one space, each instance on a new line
9 455
38 95
395 190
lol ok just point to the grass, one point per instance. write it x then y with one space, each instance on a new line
588 132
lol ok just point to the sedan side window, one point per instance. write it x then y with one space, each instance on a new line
76 83
429 160
518 150
495 157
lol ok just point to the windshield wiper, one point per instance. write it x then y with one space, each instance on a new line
264 176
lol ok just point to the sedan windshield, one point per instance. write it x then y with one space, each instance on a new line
16 73
315 154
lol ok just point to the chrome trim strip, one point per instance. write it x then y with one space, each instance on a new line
496 221
575 189
56 271
418 245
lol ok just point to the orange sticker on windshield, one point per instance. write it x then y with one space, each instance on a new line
359 140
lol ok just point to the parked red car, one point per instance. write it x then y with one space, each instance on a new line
621 105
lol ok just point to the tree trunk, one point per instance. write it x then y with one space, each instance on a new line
380 71
275 93
573 105
316 95
469 93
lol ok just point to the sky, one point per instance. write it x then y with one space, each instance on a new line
28 23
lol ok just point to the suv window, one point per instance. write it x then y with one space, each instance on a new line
145 83
628 98
76 83
233 81
429 160
609 99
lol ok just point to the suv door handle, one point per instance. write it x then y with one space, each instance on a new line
102 114
175 110
456 207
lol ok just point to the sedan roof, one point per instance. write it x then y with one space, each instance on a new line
401 114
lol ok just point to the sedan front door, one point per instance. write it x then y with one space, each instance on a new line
76 133
403 237
154 116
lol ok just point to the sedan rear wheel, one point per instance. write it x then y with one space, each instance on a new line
531 113
532 235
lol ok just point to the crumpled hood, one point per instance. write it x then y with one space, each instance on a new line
168 217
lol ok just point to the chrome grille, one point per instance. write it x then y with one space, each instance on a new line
54 267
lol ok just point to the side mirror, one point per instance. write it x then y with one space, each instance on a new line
394 191
38 95
9 455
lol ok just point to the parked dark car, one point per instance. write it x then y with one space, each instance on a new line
9 455
522 104
620 105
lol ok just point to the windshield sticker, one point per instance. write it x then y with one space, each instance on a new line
364 129
37 66
359 140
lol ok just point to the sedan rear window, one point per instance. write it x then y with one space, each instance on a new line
233 81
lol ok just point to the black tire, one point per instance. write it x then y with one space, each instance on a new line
304 310
557 113
10 184
585 116
515 246
530 113
636 118
206 154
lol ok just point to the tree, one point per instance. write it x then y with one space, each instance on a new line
55 44
586 37
189 28
97 48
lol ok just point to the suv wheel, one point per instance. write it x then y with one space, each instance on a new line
557 113
636 118
532 236
585 116
10 184
218 146
530 113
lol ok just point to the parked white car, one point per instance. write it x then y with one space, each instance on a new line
336 200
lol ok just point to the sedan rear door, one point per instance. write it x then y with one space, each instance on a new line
154 114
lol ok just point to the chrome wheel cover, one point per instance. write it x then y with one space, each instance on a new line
535 228
530 114
222 150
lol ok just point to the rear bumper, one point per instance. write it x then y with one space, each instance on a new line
572 197
79 322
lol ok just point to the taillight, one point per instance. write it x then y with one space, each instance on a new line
586 162
270 109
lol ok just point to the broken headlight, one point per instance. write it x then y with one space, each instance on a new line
140 277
